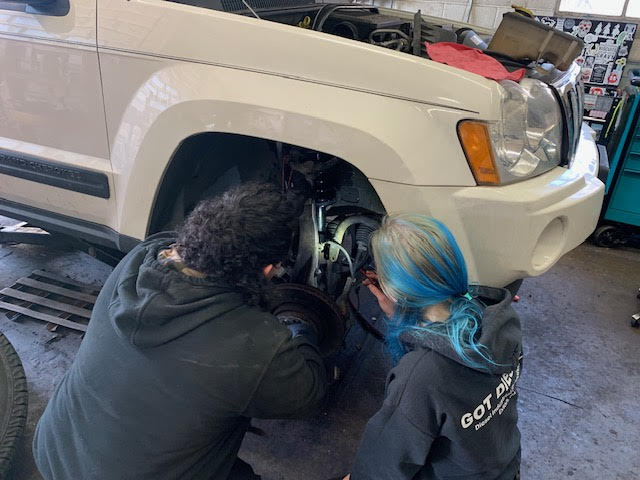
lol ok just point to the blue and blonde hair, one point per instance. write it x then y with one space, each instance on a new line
419 264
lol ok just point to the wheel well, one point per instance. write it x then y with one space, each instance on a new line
206 164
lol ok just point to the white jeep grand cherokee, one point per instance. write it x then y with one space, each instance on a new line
117 116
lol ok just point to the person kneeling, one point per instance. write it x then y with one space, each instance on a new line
178 356
450 404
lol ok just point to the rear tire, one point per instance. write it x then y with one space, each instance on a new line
13 403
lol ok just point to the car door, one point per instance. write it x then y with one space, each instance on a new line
54 152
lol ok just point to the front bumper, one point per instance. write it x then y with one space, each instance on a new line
516 230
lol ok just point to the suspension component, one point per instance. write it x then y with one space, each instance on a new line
309 305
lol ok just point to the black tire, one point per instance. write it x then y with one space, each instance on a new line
13 403
609 236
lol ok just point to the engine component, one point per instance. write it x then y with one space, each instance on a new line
311 306
425 32
346 30
343 19
390 38
470 38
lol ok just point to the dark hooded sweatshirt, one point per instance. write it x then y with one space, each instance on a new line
166 380
444 420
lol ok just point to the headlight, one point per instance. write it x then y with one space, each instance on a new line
525 143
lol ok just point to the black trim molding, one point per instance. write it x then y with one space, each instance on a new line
55 222
55 174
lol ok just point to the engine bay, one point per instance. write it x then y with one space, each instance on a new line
365 24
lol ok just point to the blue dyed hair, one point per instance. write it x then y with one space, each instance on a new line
419 264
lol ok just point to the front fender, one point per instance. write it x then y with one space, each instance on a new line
386 138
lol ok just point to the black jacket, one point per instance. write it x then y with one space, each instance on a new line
442 419
166 380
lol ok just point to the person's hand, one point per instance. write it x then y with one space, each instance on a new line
271 270
298 327
347 477
387 305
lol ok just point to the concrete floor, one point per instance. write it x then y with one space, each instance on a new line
579 391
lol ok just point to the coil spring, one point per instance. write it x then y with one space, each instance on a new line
363 233
331 228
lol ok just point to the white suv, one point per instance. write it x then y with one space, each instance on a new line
117 116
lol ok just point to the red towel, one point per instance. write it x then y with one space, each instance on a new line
471 60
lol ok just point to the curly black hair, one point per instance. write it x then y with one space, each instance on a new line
232 237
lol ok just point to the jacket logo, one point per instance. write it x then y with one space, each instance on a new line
494 403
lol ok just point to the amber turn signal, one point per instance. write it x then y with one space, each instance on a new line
476 144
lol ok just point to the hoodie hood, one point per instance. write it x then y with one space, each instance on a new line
153 304
500 334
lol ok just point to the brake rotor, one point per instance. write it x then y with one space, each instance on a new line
292 301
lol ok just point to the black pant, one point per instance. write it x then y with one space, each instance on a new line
241 470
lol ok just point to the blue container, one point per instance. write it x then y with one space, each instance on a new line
621 210
623 182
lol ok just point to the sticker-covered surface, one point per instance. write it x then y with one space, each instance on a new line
603 58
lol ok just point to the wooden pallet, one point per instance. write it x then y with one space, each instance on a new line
57 300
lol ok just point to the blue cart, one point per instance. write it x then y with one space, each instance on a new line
620 216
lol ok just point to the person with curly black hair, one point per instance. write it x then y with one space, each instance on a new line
179 357
234 236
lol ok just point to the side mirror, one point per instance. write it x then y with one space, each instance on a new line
55 8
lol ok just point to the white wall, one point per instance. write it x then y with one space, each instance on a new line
486 13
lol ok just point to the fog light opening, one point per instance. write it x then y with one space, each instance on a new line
549 245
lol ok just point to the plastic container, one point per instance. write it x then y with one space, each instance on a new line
524 38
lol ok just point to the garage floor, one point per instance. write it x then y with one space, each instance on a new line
579 391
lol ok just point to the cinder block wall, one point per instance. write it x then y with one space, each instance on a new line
486 13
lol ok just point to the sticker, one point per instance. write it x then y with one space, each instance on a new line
590 38
597 114
590 101
606 30
583 28
623 51
569 23
585 74
613 78
603 103
548 21
598 29
596 91
630 28
599 73
589 61
607 52
621 38
616 31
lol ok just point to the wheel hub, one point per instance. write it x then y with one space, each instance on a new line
293 302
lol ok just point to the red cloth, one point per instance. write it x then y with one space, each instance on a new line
471 60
